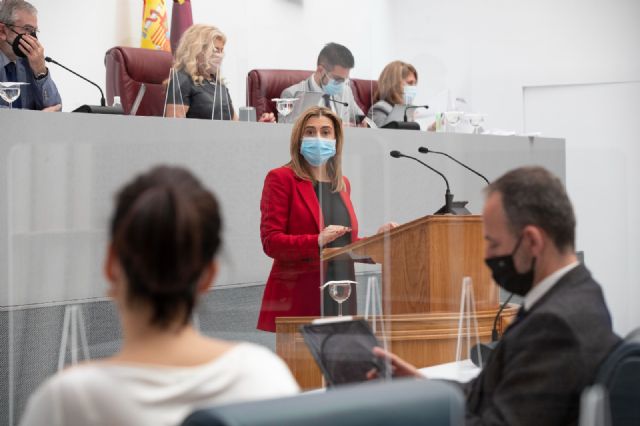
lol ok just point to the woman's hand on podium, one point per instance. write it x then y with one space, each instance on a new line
387 227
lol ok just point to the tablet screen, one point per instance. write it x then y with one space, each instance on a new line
342 350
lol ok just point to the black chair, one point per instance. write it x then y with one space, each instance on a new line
620 376
401 402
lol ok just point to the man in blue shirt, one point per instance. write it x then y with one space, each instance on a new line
22 58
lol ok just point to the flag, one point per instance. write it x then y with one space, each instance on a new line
155 29
181 19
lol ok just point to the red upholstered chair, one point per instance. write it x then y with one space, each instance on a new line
129 67
264 85
363 91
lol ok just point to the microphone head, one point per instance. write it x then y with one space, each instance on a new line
395 154
423 150
48 59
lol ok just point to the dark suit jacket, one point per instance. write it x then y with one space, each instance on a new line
289 228
536 373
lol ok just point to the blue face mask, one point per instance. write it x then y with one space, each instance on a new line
333 87
317 151
410 93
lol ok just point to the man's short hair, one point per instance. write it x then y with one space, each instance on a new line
335 54
8 9
534 196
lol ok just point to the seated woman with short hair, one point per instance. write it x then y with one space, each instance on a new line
165 234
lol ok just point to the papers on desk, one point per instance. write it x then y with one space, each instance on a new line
460 371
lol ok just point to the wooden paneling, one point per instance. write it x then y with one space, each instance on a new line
422 339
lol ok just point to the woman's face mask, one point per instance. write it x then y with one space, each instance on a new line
215 62
317 151
409 94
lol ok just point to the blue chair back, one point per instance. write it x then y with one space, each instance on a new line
401 402
620 375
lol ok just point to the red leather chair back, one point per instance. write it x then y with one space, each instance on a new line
264 85
363 91
129 67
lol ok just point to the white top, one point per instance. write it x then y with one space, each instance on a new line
545 285
119 394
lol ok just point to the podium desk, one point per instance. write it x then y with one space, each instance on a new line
422 339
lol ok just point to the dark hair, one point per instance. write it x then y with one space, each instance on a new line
165 231
335 54
534 196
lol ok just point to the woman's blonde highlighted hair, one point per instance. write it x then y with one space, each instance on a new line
391 82
196 48
334 165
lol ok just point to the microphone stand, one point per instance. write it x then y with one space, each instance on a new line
102 100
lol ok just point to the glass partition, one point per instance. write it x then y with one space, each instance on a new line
399 242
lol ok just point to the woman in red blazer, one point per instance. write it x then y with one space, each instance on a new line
295 225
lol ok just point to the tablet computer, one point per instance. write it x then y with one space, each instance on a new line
343 350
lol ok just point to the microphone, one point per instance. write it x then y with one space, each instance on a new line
425 150
102 101
448 196
483 350
413 107
344 104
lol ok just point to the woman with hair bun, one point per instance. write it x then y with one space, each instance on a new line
165 233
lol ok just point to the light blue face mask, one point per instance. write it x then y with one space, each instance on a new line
317 151
410 93
333 87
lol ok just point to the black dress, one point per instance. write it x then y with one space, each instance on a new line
334 212
200 97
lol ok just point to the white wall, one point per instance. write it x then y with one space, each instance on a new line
486 51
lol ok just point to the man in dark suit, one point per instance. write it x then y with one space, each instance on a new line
562 333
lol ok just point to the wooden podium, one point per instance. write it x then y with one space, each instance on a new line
423 264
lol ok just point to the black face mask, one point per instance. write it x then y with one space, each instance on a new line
505 275
15 45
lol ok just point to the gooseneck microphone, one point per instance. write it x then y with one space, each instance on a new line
102 101
344 104
425 150
448 196
408 107
481 351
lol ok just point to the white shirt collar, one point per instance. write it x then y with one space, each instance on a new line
545 285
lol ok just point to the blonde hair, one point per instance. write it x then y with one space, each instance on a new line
391 82
334 165
197 47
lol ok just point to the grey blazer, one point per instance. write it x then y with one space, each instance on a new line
379 112
536 373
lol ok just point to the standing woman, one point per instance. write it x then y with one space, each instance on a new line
196 88
397 85
165 233
306 206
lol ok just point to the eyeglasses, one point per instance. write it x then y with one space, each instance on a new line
28 29
331 76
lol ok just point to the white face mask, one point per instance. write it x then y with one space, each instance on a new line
409 94
216 61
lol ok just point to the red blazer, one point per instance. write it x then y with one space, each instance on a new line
290 223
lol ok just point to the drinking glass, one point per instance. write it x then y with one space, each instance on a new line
453 118
284 105
340 292
476 121
9 92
